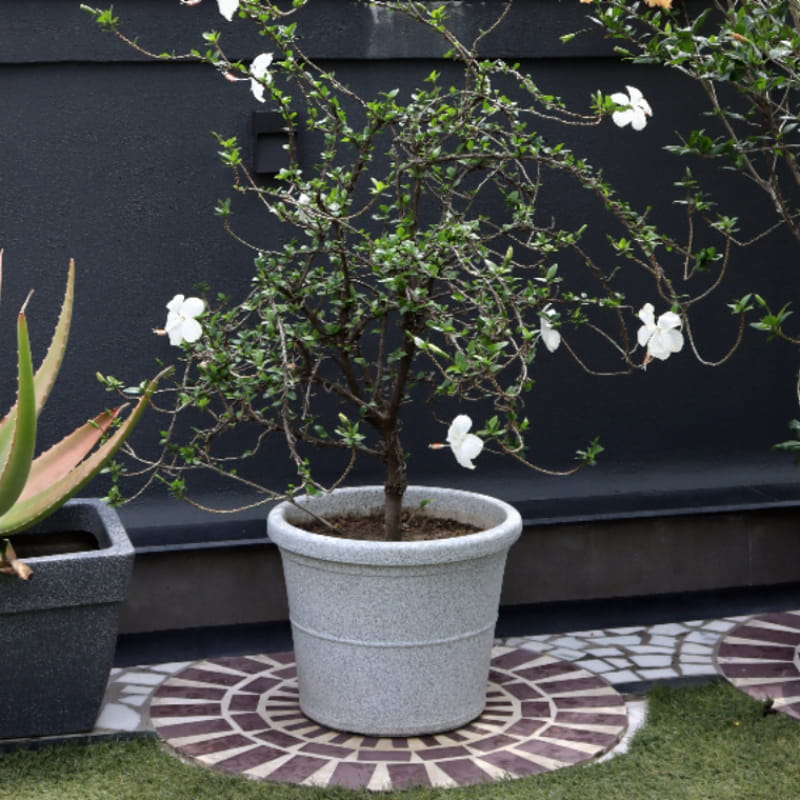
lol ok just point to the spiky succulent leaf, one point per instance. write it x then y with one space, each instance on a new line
48 370
57 462
29 509
22 444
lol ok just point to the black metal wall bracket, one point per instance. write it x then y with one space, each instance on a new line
269 153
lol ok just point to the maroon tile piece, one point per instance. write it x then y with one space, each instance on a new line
500 741
435 753
249 759
341 738
590 718
278 738
465 772
302 722
250 722
243 702
536 673
762 691
181 729
369 741
523 691
590 701
760 669
574 684
297 769
581 735
497 678
316 731
526 727
566 755
186 710
763 634
383 755
768 651
215 745
260 684
190 692
352 776
408 776
513 659
513 763
286 673
785 618
536 708
208 676
330 750
247 665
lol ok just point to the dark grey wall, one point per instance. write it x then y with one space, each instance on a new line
107 157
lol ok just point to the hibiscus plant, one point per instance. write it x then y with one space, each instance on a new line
420 264
744 57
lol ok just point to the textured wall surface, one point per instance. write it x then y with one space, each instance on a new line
108 157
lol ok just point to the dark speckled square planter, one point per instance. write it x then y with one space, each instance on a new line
58 630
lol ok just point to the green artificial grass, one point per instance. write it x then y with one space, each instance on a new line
708 742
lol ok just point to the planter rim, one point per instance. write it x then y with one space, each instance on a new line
503 521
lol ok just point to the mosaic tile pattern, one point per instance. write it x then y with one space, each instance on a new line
634 657
242 715
629 657
762 658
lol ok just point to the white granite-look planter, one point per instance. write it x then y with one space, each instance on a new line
394 638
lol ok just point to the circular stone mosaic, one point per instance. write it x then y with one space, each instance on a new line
760 657
242 715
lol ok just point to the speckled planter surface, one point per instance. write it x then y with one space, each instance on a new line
395 638
58 630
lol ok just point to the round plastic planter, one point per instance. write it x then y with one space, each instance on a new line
394 638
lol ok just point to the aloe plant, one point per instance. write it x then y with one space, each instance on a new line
32 488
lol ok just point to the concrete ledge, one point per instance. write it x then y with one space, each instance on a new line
628 550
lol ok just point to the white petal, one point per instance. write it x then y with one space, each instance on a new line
175 335
620 98
192 307
228 8
175 303
622 118
663 343
644 333
638 120
191 330
259 71
174 319
550 336
669 319
647 315
458 429
261 63
635 95
469 448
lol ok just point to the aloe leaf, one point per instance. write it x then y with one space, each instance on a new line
34 508
48 370
22 445
61 458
